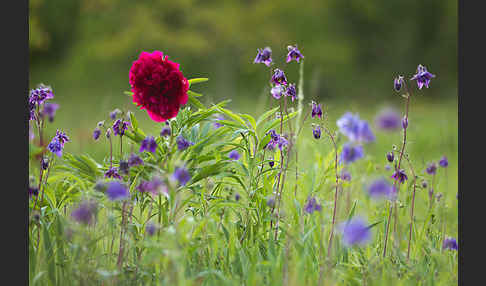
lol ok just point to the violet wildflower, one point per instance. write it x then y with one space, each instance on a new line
424 184
397 83
444 162
431 169
291 91
264 56
154 186
115 113
317 132
316 110
182 143
119 127
124 167
112 173
150 228
294 53
96 133
400 176
354 128
134 160
234 155
450 243
55 146
271 164
380 188
282 142
61 137
117 191
355 232
33 191
422 77
390 157
40 94
351 153
278 77
182 175
277 91
148 144
312 205
108 133
388 120
271 201
166 131
345 175
85 212
218 118
237 197
405 122
45 163
50 110
439 196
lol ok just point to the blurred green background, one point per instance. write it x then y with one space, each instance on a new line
353 49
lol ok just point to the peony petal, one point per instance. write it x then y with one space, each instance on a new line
156 117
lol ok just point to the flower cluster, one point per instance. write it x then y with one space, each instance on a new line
355 232
148 144
357 131
388 120
312 205
85 212
154 186
120 126
57 143
276 140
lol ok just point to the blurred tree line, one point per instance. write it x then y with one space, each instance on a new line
351 47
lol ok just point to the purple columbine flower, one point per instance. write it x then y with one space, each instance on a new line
108 133
422 77
388 120
216 123
55 146
61 137
278 77
40 94
354 128
282 142
380 188
431 169
444 162
150 228
112 173
424 184
33 191
271 201
351 153
397 83
291 91
96 133
154 186
316 110
355 232
134 160
271 164
294 53
50 110
119 127
85 212
182 175
450 243
45 163
117 191
234 155
115 113
124 167
277 91
166 131
400 176
390 157
405 122
264 56
237 197
148 144
345 175
317 132
312 205
182 143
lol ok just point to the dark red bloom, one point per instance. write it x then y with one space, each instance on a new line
158 85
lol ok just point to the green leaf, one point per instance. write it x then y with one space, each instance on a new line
197 80
133 121
194 101
266 115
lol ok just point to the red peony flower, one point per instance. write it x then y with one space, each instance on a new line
158 85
